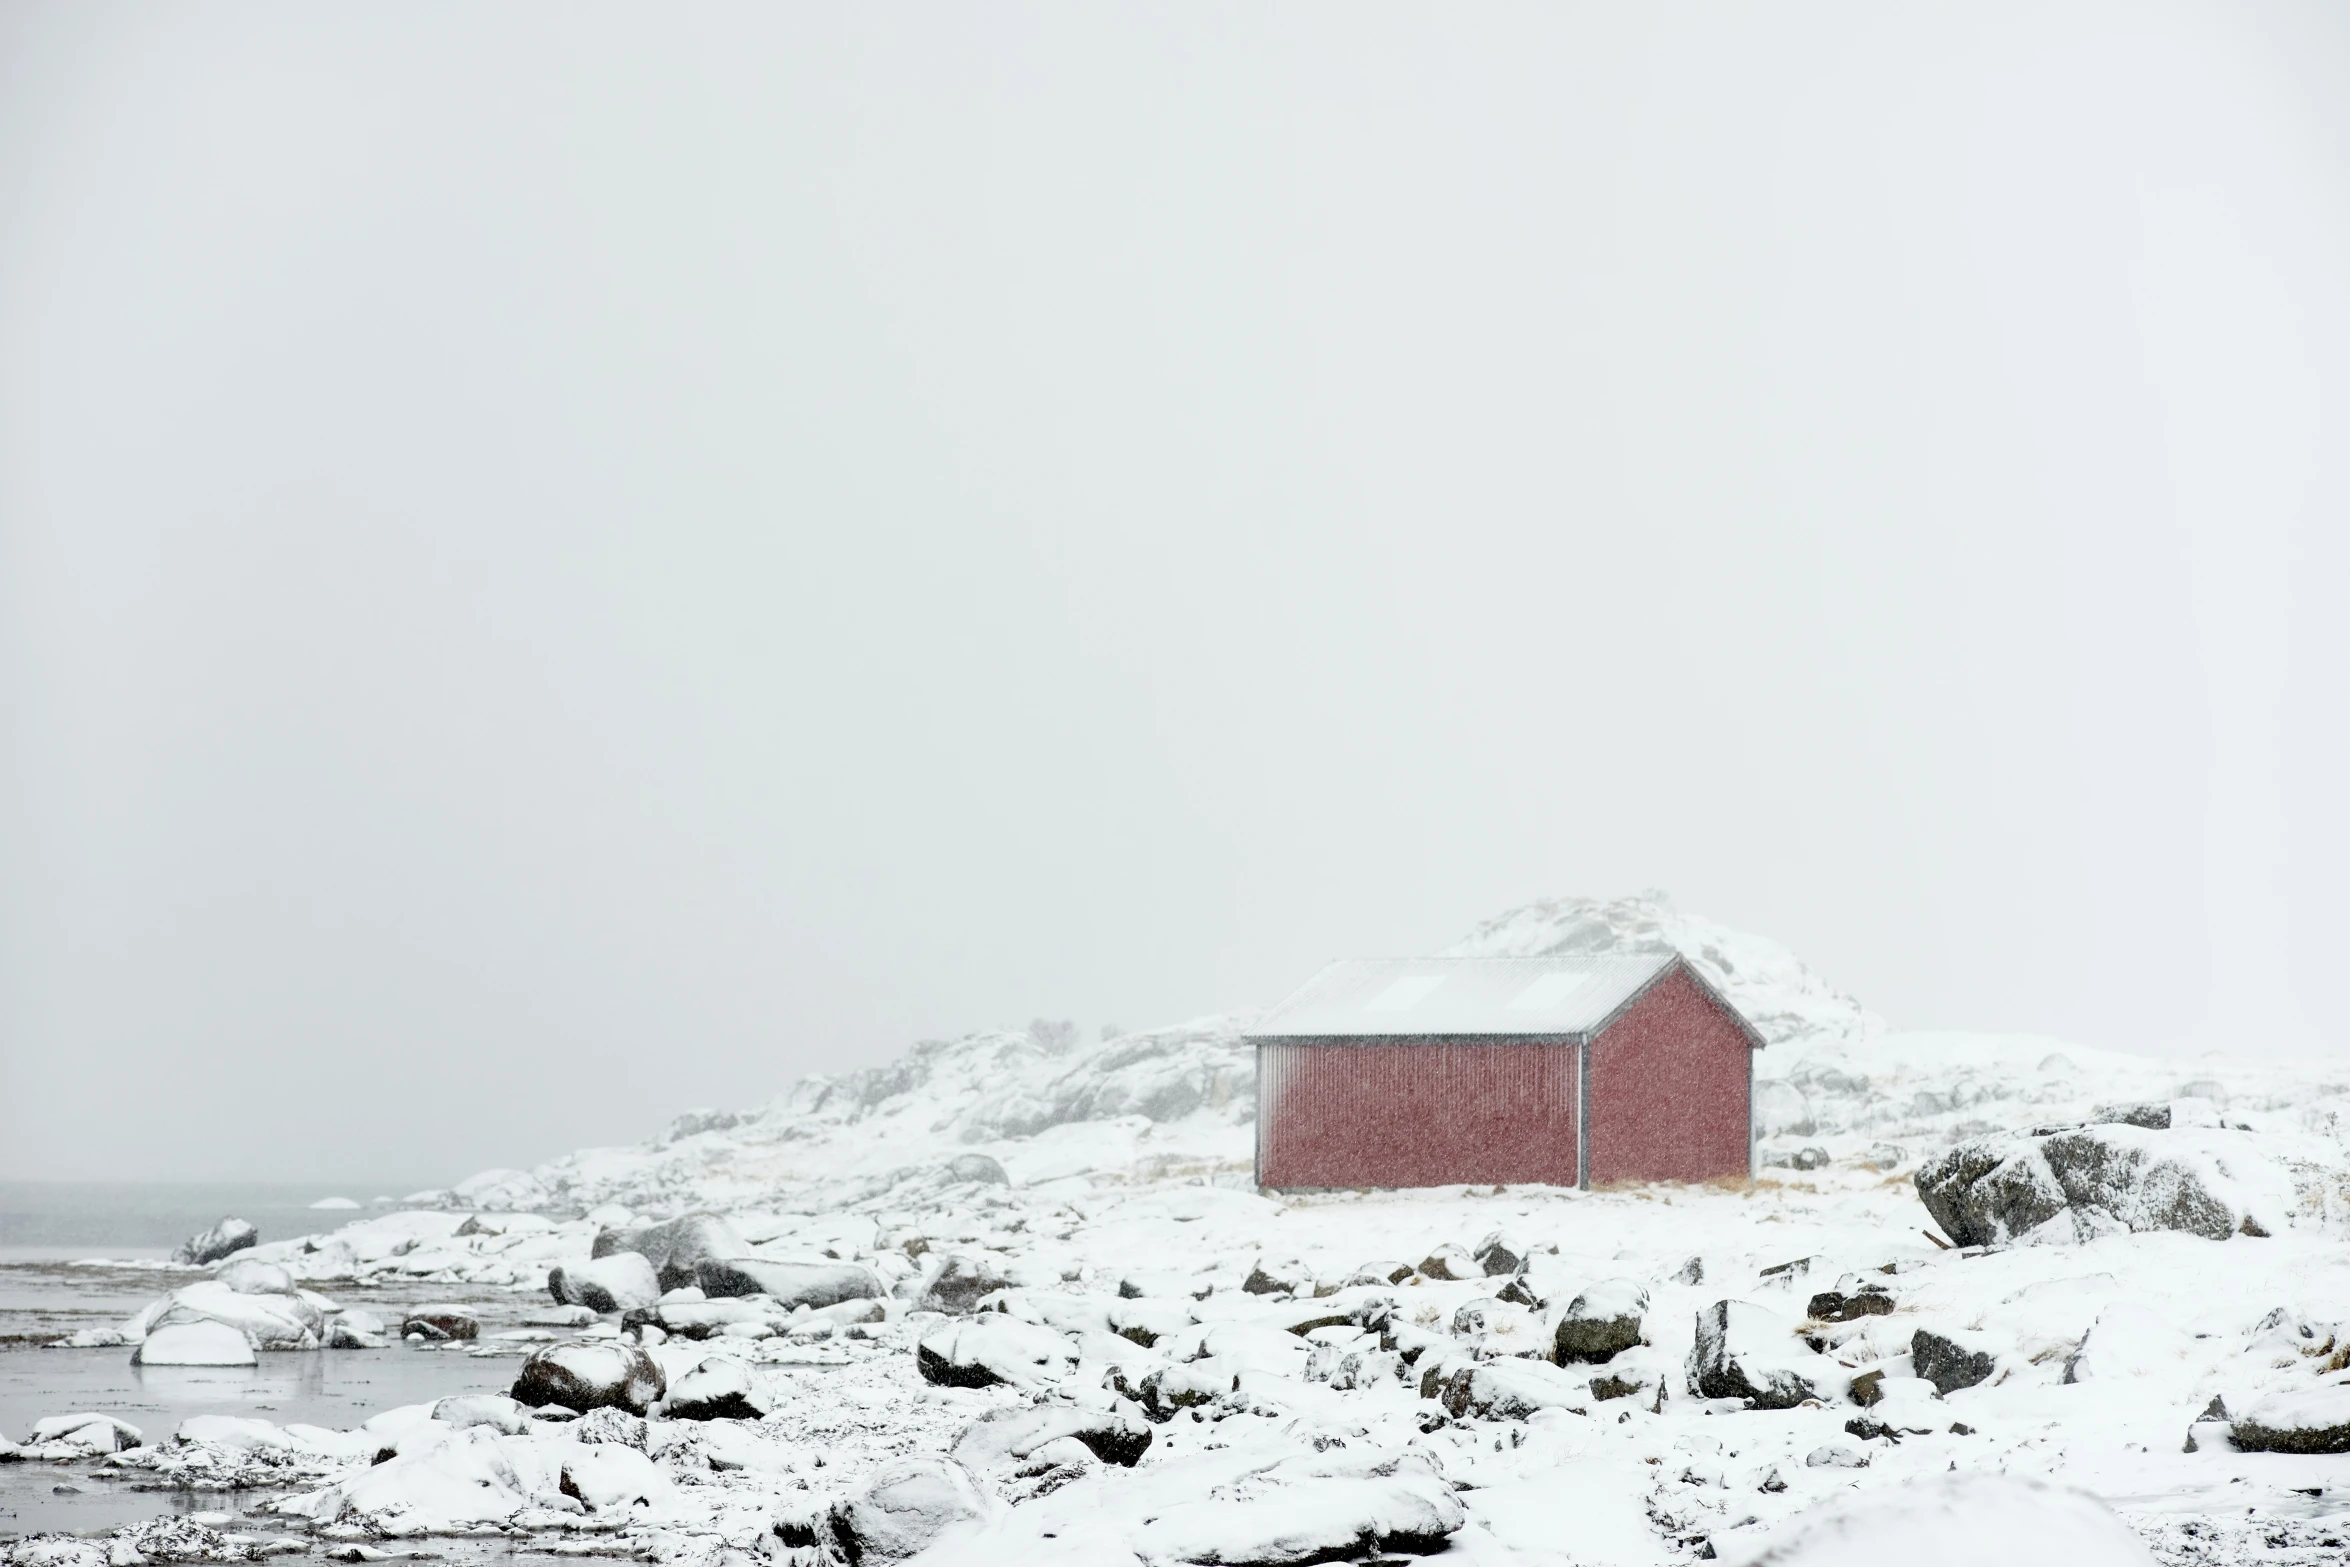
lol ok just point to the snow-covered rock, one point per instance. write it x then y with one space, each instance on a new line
908 1506
676 1249
353 1328
982 1350
719 1389
440 1322
497 1412
1950 1359
224 1239
1601 1322
1752 1352
270 1321
1512 1390
618 1281
84 1433
2305 1420
1958 1520
611 1477
791 1284
585 1376
1305 1517
1112 1430
2095 1180
250 1276
956 1282
202 1342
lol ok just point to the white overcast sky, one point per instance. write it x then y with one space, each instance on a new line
560 563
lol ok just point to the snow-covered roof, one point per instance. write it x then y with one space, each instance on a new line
1555 997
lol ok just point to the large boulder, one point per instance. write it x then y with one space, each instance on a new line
288 1321
1750 1352
978 1168
983 1350
744 1316
590 1376
790 1284
1511 1390
1393 1505
620 1281
2087 1181
677 1248
1112 1432
719 1389
1956 1520
1600 1323
202 1342
956 1282
906 1507
2309 1420
224 1239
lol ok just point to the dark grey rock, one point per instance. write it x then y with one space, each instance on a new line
1948 1362
440 1322
1833 1306
1498 1255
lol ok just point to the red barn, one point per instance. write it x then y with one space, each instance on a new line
1460 1071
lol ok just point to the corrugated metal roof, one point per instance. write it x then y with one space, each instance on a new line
1546 997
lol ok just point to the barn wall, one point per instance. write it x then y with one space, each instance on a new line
1670 1083
1421 1114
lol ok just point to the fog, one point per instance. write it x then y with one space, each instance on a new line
562 563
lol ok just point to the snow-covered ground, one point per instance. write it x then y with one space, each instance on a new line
1090 1340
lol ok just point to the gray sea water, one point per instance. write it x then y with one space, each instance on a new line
50 1287
52 1219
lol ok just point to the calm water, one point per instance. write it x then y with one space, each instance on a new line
147 1219
43 1297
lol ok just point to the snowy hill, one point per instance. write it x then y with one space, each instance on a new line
1047 1104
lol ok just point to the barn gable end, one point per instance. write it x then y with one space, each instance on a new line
1668 1087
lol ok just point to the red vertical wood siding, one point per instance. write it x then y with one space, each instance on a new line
1670 1083
1433 1113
